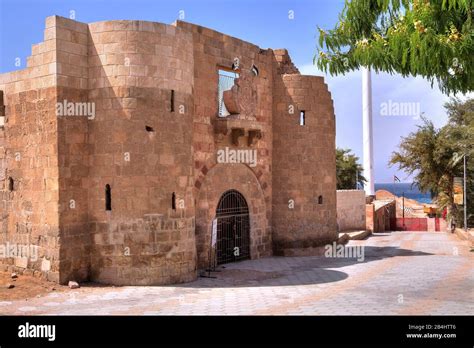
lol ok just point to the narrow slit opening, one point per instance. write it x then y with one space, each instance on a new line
108 198
302 118
172 101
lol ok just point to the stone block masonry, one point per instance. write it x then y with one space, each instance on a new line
351 210
108 153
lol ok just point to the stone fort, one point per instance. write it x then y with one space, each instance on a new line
132 152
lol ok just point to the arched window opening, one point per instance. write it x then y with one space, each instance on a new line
254 70
11 184
320 200
173 201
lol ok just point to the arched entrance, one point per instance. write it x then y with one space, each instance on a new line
233 228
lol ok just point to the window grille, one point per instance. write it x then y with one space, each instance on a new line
226 81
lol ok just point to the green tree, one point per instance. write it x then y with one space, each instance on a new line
459 133
348 170
429 38
435 156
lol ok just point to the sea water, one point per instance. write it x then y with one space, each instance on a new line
410 190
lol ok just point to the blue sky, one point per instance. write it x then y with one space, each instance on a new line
266 23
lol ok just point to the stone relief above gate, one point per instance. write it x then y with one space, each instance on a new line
241 99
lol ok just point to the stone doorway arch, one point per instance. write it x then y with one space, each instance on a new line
218 180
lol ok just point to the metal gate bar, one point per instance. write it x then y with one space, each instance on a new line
233 228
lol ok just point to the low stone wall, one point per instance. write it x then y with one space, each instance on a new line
380 213
350 210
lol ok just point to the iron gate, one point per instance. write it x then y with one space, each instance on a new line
233 228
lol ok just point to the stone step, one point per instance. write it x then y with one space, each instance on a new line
354 235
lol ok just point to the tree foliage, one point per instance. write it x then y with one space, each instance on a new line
348 170
435 156
429 38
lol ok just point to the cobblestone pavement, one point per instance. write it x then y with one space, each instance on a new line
402 273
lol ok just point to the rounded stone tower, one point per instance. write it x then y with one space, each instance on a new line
141 210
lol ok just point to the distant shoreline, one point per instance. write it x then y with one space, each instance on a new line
409 190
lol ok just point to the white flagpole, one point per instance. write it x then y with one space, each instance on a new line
367 132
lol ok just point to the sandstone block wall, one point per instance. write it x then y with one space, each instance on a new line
140 143
31 217
213 51
72 82
379 215
304 183
3 182
350 210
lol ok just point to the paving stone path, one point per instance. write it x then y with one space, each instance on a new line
402 273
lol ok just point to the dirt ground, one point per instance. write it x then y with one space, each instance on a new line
26 287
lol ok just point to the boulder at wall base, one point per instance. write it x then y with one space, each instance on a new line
73 285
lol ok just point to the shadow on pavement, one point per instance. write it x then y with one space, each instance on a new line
288 271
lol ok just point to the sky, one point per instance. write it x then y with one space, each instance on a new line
290 24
